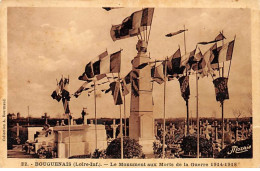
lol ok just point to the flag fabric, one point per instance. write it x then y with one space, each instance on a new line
81 89
126 84
115 88
110 8
65 90
56 94
158 75
175 33
226 51
184 86
200 64
135 83
219 37
207 59
187 57
102 65
192 59
132 25
174 64
89 70
221 88
115 62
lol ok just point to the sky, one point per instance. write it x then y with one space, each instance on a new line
46 43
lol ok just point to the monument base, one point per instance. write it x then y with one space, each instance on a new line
147 146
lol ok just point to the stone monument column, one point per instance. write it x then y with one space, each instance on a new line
141 120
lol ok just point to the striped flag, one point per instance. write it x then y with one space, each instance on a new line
226 51
132 25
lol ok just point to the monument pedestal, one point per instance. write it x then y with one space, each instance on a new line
141 120
82 139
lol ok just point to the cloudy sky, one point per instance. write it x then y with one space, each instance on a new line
46 43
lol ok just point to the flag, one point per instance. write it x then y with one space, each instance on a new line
115 62
174 64
89 70
110 8
185 88
200 64
226 51
185 58
100 64
158 75
84 77
219 37
65 91
175 33
192 59
115 88
135 83
126 84
132 25
207 59
81 89
221 88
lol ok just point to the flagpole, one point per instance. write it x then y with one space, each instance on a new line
164 113
184 41
197 115
222 111
69 120
121 121
125 115
69 131
223 61
95 112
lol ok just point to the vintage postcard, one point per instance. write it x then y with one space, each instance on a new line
129 84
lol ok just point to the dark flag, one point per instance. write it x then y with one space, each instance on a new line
225 53
175 33
135 83
174 64
89 70
185 88
115 88
110 8
221 88
84 77
115 62
218 38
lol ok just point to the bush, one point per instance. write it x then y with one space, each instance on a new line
189 146
131 148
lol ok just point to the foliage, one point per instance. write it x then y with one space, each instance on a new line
131 148
99 154
43 153
189 146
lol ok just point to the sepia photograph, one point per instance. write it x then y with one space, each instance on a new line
129 83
